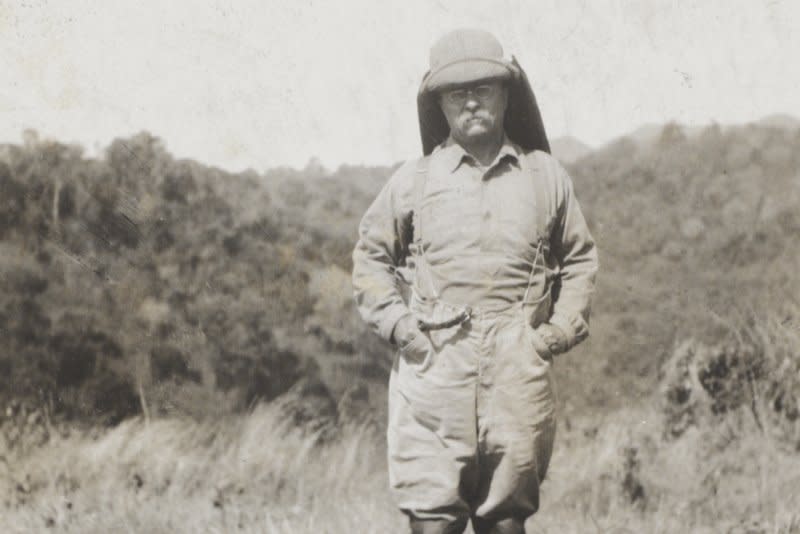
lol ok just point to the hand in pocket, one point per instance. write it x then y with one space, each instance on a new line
539 345
418 351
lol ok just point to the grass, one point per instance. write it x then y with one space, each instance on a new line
735 472
254 473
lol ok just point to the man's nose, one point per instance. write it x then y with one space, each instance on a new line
472 103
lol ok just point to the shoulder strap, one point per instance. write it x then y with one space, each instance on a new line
420 177
541 187
544 185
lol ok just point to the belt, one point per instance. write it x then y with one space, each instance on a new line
460 318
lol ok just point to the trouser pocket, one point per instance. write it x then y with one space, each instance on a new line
537 345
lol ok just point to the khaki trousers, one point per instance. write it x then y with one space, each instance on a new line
471 421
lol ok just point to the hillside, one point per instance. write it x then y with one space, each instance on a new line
568 149
694 234
141 282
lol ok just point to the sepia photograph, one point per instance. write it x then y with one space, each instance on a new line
424 267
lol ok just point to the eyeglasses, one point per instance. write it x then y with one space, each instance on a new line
459 96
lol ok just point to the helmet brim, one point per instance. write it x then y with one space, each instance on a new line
466 72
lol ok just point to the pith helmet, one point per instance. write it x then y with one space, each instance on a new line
472 55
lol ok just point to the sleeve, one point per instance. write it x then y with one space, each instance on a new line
576 253
381 248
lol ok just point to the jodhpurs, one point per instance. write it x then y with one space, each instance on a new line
471 421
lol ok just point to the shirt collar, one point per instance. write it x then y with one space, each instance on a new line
454 154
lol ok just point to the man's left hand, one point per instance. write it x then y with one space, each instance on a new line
549 340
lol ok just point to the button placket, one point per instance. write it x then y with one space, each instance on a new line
485 214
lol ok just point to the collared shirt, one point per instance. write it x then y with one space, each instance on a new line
478 231
481 235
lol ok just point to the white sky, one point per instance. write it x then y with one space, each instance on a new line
245 83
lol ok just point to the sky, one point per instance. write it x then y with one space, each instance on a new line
257 84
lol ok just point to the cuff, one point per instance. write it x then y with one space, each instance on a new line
570 331
386 328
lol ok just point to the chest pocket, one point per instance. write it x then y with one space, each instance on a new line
518 226
444 210
439 210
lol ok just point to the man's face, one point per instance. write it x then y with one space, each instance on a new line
475 111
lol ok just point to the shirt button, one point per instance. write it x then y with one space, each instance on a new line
487 215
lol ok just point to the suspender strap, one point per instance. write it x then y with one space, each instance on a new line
533 271
542 205
420 177
541 188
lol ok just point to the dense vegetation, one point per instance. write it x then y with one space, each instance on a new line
138 284
697 237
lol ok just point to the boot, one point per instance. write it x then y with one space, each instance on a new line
504 526
437 526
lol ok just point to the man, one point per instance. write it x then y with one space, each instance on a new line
476 261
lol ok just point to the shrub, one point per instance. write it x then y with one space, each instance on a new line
758 371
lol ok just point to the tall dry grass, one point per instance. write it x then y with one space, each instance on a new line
253 473
256 474
734 472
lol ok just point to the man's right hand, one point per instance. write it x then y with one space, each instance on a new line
414 344
405 331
